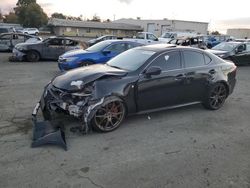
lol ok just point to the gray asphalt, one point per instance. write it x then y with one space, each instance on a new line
187 147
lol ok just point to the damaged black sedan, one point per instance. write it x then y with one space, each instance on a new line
140 80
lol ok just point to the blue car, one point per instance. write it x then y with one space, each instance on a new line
98 53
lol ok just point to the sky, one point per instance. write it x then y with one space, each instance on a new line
220 15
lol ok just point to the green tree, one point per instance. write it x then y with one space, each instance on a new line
30 14
96 19
58 15
215 33
25 2
10 18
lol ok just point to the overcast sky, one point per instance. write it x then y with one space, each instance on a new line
219 14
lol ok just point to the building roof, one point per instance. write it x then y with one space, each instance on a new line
97 25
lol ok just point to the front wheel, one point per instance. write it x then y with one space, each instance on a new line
33 56
217 95
109 115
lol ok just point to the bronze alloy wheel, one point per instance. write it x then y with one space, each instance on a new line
109 116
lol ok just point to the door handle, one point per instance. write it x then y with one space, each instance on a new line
212 71
180 77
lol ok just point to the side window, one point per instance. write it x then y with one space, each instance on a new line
168 61
151 37
207 59
193 59
248 47
6 37
140 36
121 47
131 45
56 42
70 43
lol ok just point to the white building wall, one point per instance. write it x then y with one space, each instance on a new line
162 26
239 33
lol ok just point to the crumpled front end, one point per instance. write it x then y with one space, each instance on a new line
79 104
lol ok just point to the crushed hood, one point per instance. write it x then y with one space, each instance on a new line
74 79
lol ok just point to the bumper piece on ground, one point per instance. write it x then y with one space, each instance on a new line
45 133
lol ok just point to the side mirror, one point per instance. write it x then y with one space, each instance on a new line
156 39
240 49
105 52
153 71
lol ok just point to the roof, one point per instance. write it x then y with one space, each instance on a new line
97 25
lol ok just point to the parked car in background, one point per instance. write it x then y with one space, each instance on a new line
102 38
213 40
144 38
189 41
140 80
50 48
9 40
30 31
4 29
167 36
98 53
238 52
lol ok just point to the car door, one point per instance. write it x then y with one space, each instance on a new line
5 42
112 50
197 73
242 54
165 89
53 48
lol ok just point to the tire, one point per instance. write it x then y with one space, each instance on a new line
33 56
85 63
216 97
109 115
36 33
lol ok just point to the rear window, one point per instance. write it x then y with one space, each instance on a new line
193 59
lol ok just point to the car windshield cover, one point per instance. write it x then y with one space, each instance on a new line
225 46
130 60
98 47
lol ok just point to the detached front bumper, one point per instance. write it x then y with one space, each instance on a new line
44 132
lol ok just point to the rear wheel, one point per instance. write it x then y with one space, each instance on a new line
33 56
109 115
216 96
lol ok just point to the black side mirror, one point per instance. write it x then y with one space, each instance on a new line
240 49
105 52
153 71
156 39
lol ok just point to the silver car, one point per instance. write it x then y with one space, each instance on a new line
9 40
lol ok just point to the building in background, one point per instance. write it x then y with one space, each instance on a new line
92 29
158 27
239 33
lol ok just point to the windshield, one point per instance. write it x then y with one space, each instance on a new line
130 60
225 46
166 35
98 47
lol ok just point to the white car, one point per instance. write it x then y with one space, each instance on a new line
30 31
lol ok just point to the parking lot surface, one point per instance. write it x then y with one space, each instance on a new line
185 147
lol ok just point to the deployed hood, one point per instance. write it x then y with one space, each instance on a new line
216 52
75 79
74 53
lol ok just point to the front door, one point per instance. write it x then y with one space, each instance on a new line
164 89
243 57
53 48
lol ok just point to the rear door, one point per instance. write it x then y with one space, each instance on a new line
165 89
197 73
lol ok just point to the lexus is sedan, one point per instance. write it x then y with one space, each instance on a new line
140 80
